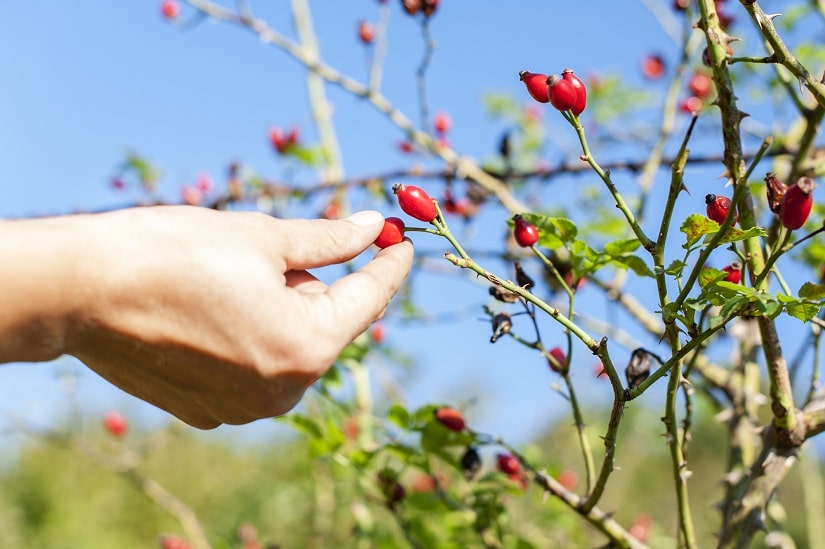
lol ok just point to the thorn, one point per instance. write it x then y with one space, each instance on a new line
742 114
772 16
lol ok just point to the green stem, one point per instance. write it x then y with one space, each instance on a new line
587 156
584 443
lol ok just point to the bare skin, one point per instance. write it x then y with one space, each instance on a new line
212 316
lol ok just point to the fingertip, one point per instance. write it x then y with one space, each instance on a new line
366 218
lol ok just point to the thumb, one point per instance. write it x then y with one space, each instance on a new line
315 243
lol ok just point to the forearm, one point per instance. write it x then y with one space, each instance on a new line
39 262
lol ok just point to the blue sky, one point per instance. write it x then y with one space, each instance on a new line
84 82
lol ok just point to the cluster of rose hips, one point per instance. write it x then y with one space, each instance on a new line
427 7
283 141
566 92
415 202
791 203
470 461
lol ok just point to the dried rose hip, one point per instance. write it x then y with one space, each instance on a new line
797 203
391 233
415 202
525 233
470 463
718 207
581 91
536 85
776 190
450 418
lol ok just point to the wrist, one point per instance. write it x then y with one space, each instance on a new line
41 261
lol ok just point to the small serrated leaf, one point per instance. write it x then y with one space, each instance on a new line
695 227
637 265
622 247
809 290
802 310
676 268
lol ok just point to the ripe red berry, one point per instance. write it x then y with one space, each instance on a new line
691 105
700 85
562 93
170 9
442 122
115 424
366 32
283 141
391 233
797 203
653 67
174 542
581 90
718 207
415 202
560 358
536 85
569 479
450 418
734 271
378 333
508 464
406 147
411 6
525 233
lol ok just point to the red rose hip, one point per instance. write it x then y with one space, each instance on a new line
536 85
508 464
559 362
581 91
525 233
734 271
450 418
415 202
115 424
718 207
797 203
391 233
561 92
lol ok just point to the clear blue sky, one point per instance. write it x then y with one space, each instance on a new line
85 81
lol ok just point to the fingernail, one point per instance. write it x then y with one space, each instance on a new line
366 218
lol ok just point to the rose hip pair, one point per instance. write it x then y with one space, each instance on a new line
793 203
566 93
415 202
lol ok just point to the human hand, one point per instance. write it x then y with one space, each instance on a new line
213 316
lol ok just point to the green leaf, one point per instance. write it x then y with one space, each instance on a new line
695 227
735 235
709 275
636 264
676 268
804 311
553 231
622 247
302 423
809 290
399 416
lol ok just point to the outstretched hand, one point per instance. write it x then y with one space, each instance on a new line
212 316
